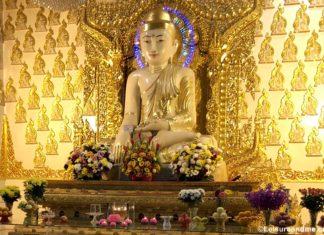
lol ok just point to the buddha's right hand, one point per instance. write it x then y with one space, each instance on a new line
122 139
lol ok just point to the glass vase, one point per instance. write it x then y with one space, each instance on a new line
166 222
313 218
193 212
267 216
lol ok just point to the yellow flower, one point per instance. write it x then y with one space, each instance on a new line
193 146
141 163
104 162
228 191
84 171
140 159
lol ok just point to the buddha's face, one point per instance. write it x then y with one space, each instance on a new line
158 46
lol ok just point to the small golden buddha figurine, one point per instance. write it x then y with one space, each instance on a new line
77 111
289 53
268 4
313 49
50 43
258 28
40 158
319 76
90 107
73 16
57 110
9 29
286 109
43 120
301 23
72 59
63 36
51 144
59 66
78 83
243 111
41 21
68 90
10 92
21 18
31 133
33 99
277 80
321 22
321 118
299 80
54 18
31 4
263 108
310 103
29 41
48 86
314 145
88 133
273 133
20 114
266 50
65 132
39 63
297 132
11 4
79 38
24 78
283 159
16 53
279 23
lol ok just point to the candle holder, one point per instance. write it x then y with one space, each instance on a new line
95 211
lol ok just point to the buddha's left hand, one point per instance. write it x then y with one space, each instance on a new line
155 125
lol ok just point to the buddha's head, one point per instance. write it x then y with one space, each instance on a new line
158 38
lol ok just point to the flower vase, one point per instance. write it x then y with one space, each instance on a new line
313 218
267 216
4 219
31 217
166 222
193 211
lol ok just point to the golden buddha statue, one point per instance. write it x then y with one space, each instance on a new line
50 43
243 111
33 99
79 38
286 109
314 145
72 59
9 29
73 16
16 53
31 4
39 63
40 158
266 50
321 22
20 114
57 109
319 76
297 132
59 66
273 133
65 132
88 134
301 23
313 49
54 18
77 111
43 120
321 118
21 18
279 23
51 144
289 53
310 103
283 159
31 133
48 86
299 80
11 4
29 41
268 4
79 78
68 90
90 107
258 28
263 108
24 78
41 21
63 36
10 92
277 80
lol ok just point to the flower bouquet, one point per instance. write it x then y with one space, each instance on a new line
195 162
192 197
31 210
220 194
9 195
35 189
267 200
141 161
90 162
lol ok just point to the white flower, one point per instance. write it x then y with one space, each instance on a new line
192 161
199 145
207 166
208 161
77 167
186 148
182 170
204 147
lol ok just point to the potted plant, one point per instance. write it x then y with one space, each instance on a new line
35 189
193 198
9 195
